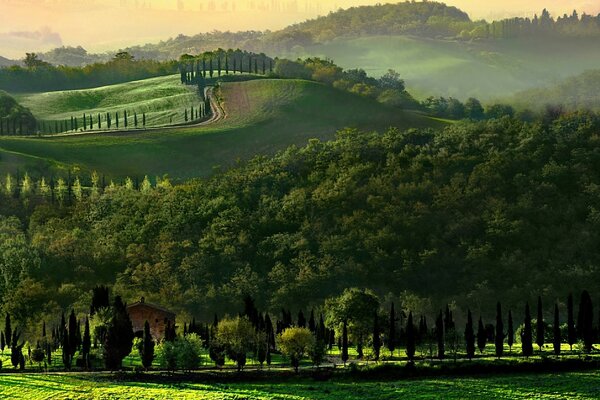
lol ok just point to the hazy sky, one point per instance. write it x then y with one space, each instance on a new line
98 25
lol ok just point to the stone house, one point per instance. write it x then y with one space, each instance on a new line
157 316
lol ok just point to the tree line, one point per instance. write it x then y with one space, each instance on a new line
103 336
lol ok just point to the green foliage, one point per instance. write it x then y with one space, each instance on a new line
294 343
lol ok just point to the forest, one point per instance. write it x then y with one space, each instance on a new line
480 212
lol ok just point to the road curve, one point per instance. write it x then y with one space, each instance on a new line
217 114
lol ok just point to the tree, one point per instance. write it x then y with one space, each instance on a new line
439 334
557 334
470 336
66 353
38 355
481 336
32 60
345 343
474 109
511 332
526 335
571 331
7 329
236 336
499 337
312 326
391 340
585 319
376 337
119 336
410 338
391 81
86 344
539 337
72 331
301 320
294 343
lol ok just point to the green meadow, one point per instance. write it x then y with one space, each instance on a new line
262 117
580 385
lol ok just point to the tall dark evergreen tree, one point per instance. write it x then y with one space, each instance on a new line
448 319
410 338
470 336
119 336
72 332
439 334
7 328
511 331
391 340
86 344
526 334
147 348
539 336
571 331
345 342
585 320
499 337
481 336
312 326
556 328
301 320
66 354
376 337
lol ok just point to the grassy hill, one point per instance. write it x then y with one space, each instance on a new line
573 93
162 99
263 116
485 69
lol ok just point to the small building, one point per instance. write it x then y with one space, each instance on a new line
157 316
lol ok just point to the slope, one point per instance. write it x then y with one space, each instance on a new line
263 116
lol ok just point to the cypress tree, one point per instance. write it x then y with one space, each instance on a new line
557 334
185 115
481 336
301 320
470 336
439 333
571 332
99 121
499 342
2 342
585 321
7 328
311 322
66 354
511 332
376 338
219 65
539 337
144 119
125 122
410 338
84 122
526 335
147 349
448 320
117 119
135 119
119 336
86 344
345 342
72 332
391 342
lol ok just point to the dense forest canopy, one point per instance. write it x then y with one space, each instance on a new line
12 113
476 213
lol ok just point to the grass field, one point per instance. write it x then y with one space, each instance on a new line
484 69
581 385
163 99
263 116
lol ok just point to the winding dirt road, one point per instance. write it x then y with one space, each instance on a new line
217 114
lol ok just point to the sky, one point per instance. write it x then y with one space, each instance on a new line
100 25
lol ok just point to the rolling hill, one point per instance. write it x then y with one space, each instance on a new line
163 99
486 69
263 116
575 93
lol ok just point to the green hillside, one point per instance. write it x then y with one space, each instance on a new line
575 93
485 69
162 99
263 116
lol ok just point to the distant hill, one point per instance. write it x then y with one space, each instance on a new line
263 117
578 92
5 62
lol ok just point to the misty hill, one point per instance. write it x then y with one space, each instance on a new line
581 91
5 62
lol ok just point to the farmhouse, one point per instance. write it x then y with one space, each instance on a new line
157 316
